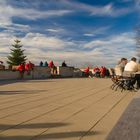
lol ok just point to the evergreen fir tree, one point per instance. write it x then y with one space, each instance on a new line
16 56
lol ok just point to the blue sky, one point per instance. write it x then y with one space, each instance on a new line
81 32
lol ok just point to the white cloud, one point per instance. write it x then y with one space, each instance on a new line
16 28
114 47
124 39
106 10
42 41
102 51
88 34
137 4
34 14
42 47
7 12
55 30
97 31
109 10
5 42
126 0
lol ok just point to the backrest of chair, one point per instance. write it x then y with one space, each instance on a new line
128 74
113 75
118 71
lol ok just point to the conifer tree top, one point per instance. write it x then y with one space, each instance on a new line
16 56
17 41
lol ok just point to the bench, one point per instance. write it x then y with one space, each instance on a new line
128 126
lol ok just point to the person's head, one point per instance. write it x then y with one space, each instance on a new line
133 59
124 60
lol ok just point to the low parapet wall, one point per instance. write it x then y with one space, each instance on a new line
65 71
7 74
42 72
38 73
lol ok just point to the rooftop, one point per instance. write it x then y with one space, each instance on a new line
62 109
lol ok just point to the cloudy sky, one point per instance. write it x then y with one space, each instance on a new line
81 32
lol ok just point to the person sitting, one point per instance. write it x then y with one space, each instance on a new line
53 67
96 72
29 67
64 64
119 68
102 71
86 72
130 68
21 69
41 64
51 64
46 64
122 63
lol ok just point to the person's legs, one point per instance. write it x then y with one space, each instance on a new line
55 69
138 83
90 74
84 74
132 83
21 74
96 74
51 70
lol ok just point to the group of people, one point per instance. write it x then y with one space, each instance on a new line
52 66
96 72
28 67
124 68
100 71
46 64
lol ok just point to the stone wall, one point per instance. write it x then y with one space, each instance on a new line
65 71
7 74
38 73
42 72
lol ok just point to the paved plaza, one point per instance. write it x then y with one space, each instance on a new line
60 109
